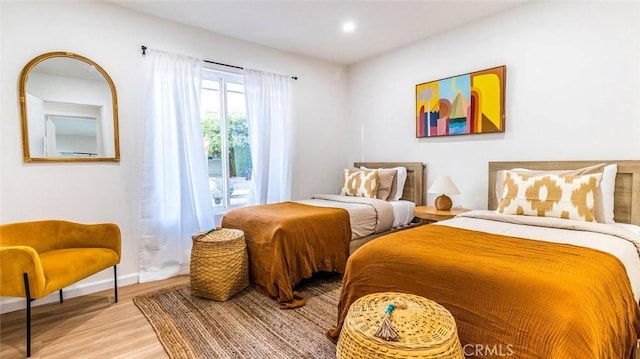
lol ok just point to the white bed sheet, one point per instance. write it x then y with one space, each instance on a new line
629 227
402 212
367 216
363 218
575 233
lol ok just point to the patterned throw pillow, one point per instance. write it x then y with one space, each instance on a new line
360 183
604 193
561 196
387 179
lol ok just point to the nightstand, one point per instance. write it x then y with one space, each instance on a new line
429 214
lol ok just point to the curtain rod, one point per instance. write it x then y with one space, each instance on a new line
144 52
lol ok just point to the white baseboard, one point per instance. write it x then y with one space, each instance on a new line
13 304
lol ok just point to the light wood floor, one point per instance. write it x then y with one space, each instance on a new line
90 326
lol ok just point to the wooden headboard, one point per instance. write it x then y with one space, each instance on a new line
414 186
627 191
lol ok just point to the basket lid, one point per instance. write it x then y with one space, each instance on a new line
422 323
219 235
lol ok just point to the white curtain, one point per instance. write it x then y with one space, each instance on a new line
176 202
269 120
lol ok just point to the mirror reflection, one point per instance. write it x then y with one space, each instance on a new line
69 110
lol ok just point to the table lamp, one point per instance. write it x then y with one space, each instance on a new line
443 186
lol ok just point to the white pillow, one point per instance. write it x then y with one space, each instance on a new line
604 210
402 178
629 227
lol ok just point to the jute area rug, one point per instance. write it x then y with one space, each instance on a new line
248 325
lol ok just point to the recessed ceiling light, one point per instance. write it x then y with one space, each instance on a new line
348 27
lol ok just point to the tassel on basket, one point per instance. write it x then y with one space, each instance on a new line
203 234
385 330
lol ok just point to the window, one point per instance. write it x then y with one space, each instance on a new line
226 139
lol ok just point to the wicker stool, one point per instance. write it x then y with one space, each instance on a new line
425 329
219 264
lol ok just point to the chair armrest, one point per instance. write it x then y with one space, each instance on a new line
14 261
77 235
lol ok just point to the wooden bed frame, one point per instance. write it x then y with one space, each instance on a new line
627 191
414 191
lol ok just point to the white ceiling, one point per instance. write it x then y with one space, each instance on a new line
314 28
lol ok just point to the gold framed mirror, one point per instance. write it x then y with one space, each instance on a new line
69 110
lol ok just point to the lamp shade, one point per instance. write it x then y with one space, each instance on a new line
443 185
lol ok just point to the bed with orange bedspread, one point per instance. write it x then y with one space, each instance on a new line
290 241
530 298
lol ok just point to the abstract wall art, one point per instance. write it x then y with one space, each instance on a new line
461 105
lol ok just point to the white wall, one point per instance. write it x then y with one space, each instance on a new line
111 36
572 92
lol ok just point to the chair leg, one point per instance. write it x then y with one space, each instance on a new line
115 283
60 295
29 300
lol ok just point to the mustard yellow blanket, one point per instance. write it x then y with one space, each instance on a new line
290 241
526 298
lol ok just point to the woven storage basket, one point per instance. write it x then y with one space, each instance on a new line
219 264
425 328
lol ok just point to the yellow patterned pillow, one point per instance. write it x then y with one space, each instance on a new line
561 196
360 183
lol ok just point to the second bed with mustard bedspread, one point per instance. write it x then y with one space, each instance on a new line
531 298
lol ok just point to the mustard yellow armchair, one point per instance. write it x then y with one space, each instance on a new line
42 257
